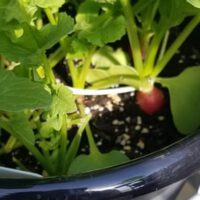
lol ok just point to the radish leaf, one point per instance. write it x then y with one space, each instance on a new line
195 3
184 93
30 47
21 129
99 29
17 94
86 163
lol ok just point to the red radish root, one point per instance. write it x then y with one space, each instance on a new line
150 102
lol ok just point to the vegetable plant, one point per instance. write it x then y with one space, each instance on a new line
37 111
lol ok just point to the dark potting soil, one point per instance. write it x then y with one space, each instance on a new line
118 123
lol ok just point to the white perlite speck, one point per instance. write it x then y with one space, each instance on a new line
140 144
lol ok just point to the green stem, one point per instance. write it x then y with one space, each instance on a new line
153 51
48 160
141 5
176 44
56 57
49 76
119 79
164 45
83 74
29 146
39 23
132 35
73 71
50 16
73 149
20 164
63 147
92 144
10 144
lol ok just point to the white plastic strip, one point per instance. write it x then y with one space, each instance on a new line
92 92
14 173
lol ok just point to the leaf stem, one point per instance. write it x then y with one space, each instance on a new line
50 16
73 71
92 144
73 148
176 44
113 80
86 66
141 5
63 147
132 35
164 45
56 57
153 50
49 76
10 144
30 147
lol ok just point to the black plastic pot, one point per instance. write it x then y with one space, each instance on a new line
160 173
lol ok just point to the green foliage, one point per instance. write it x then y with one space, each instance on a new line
106 57
195 3
21 129
93 161
63 101
99 29
18 93
29 49
185 99
16 12
174 12
49 3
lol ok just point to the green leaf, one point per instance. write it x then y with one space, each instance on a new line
105 1
79 49
100 73
21 129
54 5
30 47
109 63
99 29
17 93
173 12
63 101
86 163
18 10
195 3
106 57
184 93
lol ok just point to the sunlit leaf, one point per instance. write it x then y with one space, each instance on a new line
184 91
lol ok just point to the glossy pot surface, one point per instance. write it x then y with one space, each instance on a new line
129 181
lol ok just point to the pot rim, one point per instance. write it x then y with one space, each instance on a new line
136 177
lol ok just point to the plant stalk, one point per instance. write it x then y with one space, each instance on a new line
86 66
119 79
176 44
50 16
132 35
56 57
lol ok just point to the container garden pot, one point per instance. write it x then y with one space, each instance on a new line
160 174
102 44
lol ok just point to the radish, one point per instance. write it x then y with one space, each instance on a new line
150 101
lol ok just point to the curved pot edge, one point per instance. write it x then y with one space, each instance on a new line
138 177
